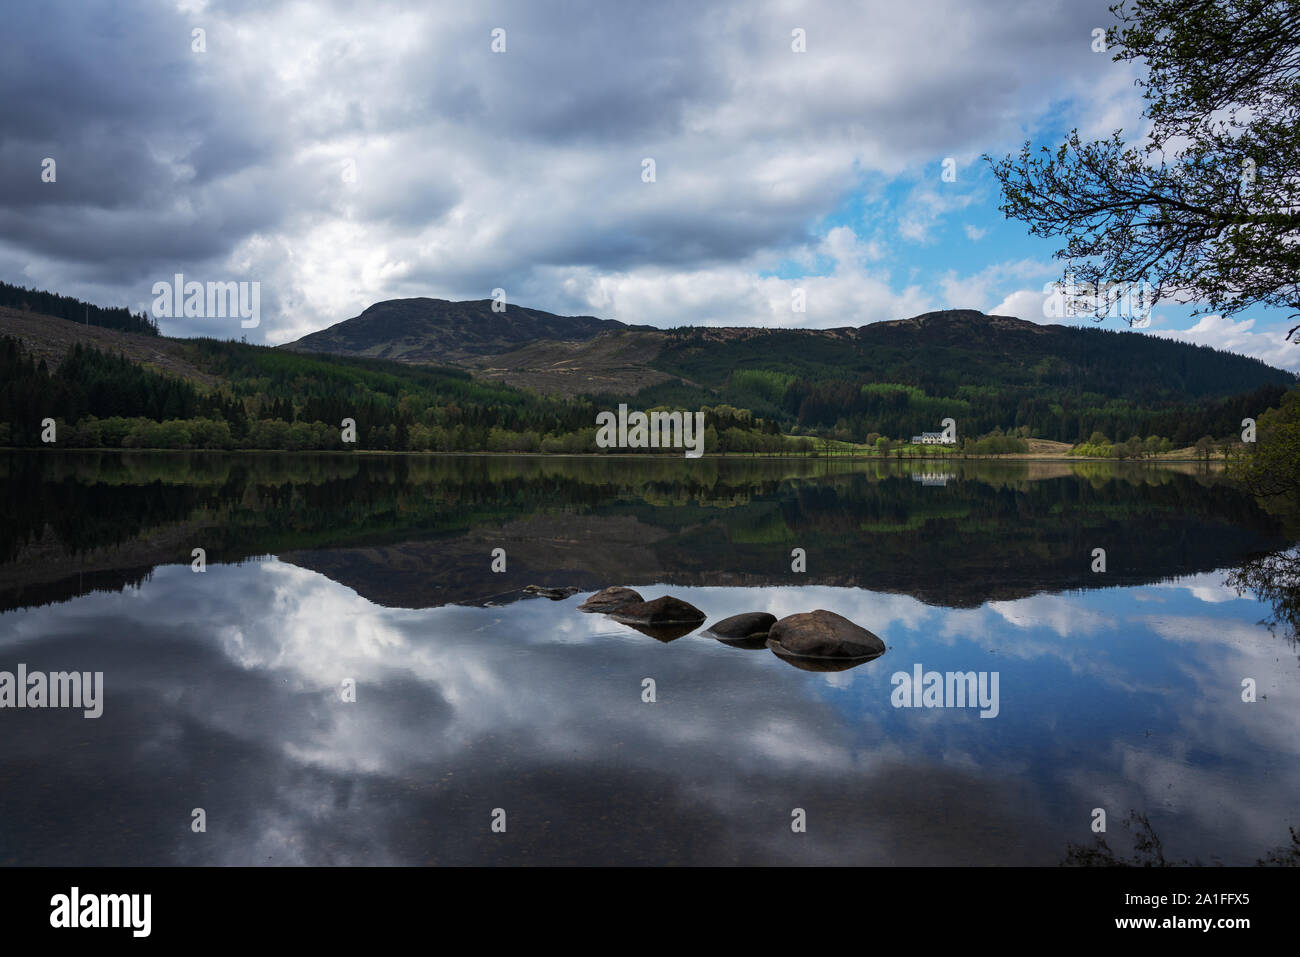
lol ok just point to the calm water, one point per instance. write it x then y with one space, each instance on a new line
1119 690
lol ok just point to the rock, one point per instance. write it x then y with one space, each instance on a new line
752 624
748 644
662 611
664 633
554 594
823 634
607 599
816 664
748 631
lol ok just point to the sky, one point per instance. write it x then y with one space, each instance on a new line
342 154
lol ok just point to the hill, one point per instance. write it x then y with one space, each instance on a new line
987 372
50 338
897 378
438 330
944 353
952 354
998 377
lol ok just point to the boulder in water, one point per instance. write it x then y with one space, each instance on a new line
662 611
608 599
823 634
748 630
554 594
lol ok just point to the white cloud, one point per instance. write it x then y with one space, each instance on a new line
1236 335
522 170
926 207
849 294
1023 304
979 290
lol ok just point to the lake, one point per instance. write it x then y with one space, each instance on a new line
348 680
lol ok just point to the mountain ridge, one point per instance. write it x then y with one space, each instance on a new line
996 376
425 329
940 351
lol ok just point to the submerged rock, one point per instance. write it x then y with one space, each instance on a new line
816 664
748 630
751 624
554 594
748 644
823 634
608 599
662 611
664 633
664 618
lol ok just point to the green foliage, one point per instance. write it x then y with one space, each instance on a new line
87 382
905 393
1272 466
1098 446
1093 450
274 399
905 380
762 384
996 444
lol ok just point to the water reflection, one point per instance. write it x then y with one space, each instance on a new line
222 688
664 633
1273 578
413 532
233 705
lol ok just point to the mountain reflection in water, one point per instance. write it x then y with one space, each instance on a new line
1120 690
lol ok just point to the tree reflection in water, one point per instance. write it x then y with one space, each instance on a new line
1149 852
1274 578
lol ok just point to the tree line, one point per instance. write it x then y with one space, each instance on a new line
850 411
275 399
76 310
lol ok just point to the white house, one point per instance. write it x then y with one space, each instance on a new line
932 438
933 478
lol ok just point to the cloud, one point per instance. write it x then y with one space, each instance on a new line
1023 304
926 207
1236 335
979 290
522 170
851 291
1219 332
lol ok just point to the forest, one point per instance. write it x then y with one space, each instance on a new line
1053 383
276 399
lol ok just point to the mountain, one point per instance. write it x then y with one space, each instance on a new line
762 389
951 353
963 351
438 330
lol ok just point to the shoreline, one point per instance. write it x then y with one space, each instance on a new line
956 457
